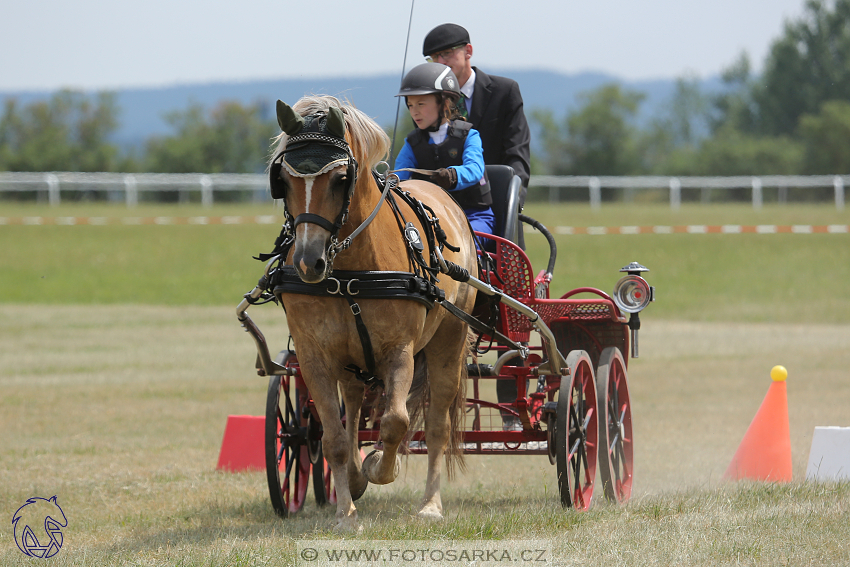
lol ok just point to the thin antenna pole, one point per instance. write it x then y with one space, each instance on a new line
403 63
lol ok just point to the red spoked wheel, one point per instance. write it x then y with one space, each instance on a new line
287 455
323 489
323 483
576 432
616 449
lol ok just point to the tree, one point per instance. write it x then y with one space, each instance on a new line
68 132
232 139
825 136
598 139
731 152
735 107
807 66
679 129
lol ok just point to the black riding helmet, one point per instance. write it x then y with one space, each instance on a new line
430 78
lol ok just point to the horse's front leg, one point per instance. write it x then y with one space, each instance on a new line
396 369
335 445
352 394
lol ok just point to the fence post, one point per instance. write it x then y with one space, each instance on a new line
838 184
595 192
52 189
675 193
206 191
757 200
132 194
553 194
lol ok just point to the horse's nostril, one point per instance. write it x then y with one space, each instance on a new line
320 266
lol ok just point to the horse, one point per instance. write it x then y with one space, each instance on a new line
318 181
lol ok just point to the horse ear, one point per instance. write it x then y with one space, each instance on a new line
289 121
336 122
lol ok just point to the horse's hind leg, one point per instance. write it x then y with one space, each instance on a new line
396 369
445 372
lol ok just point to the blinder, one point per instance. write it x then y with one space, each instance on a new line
316 145
277 183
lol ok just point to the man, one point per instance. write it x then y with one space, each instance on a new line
493 104
494 107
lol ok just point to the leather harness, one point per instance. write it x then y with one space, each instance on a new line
418 285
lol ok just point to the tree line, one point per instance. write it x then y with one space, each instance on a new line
793 118
71 132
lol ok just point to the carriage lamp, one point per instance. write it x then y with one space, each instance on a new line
632 295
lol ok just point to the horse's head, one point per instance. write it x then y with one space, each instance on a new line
315 174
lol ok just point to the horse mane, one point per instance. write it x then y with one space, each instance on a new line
369 143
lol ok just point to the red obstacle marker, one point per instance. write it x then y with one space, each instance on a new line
243 446
765 452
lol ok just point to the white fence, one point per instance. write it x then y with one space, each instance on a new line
132 184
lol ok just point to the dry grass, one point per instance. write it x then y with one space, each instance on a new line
120 411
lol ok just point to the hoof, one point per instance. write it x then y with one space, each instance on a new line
347 524
358 486
430 514
371 464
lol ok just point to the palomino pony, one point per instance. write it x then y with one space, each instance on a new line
317 177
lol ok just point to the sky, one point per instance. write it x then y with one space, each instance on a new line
109 44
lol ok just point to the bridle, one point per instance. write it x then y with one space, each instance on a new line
279 186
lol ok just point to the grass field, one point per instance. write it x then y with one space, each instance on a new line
710 277
120 359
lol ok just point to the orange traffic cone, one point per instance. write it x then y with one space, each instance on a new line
243 446
765 452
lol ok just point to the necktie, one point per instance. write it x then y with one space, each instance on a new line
461 106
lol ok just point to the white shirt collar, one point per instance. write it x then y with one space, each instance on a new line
469 86
440 135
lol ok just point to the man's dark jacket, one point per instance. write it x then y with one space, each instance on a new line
498 116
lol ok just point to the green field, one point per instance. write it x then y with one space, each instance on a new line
121 358
709 277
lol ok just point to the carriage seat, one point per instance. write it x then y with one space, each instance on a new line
505 186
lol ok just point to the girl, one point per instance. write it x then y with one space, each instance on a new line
444 149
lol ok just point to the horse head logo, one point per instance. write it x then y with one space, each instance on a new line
38 527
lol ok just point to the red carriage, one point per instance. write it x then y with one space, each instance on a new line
568 357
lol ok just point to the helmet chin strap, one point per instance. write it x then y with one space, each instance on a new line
435 126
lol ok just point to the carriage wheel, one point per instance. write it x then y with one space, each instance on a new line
287 457
323 488
616 449
323 482
576 432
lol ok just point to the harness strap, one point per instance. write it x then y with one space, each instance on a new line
365 285
315 219
478 325
282 244
367 376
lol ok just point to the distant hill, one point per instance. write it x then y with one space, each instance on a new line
143 109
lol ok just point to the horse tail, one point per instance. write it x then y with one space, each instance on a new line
417 398
457 422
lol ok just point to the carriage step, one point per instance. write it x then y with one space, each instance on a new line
479 369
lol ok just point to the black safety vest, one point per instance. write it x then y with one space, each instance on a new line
448 153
